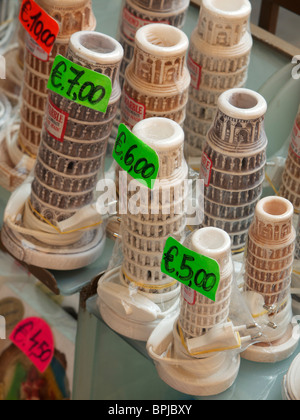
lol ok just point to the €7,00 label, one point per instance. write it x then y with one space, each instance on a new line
34 338
79 84
196 271
40 26
136 157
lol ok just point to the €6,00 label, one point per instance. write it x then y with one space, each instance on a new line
78 84
40 26
34 338
196 271
136 157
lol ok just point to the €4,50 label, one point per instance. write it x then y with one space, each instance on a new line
79 84
196 271
40 26
136 157
34 338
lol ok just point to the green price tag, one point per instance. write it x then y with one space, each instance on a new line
78 84
196 271
136 157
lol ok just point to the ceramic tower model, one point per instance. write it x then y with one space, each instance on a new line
52 221
290 188
296 274
233 163
157 79
21 150
135 297
218 60
199 314
195 351
138 13
269 264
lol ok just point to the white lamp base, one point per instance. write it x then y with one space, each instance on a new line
55 258
276 351
199 377
126 327
129 312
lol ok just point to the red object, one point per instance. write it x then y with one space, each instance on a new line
56 121
40 26
206 168
34 338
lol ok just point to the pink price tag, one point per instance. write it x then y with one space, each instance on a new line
34 338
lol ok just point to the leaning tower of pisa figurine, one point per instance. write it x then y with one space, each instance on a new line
233 163
135 297
52 221
199 314
290 188
268 270
218 60
157 79
7 23
21 149
197 351
138 13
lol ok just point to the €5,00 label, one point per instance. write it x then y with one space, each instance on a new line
34 338
136 157
196 271
39 25
78 84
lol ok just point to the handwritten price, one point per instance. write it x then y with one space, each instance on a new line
34 338
81 85
135 157
196 271
40 26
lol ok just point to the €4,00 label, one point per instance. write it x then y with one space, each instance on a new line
34 338
79 84
136 157
39 25
196 271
